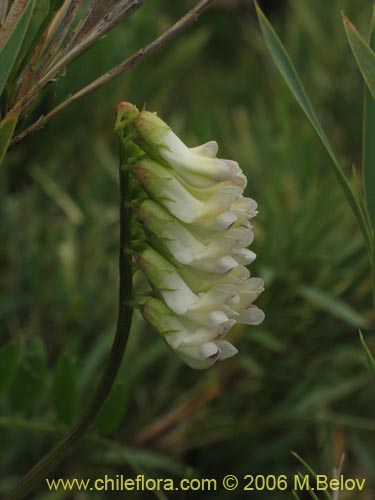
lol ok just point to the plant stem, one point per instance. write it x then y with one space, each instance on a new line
59 452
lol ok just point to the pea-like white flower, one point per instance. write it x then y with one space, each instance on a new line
196 226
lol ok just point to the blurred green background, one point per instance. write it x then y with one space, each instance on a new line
300 381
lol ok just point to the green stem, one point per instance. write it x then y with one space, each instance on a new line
372 263
41 470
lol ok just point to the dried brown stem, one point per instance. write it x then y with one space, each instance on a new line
4 4
76 51
94 13
100 16
61 32
15 11
126 65
53 40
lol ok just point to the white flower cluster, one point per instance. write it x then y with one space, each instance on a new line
197 223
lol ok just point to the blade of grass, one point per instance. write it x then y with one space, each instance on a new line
332 305
295 495
9 51
370 358
368 145
363 207
62 30
337 473
3 11
363 54
312 472
7 127
357 187
15 12
28 54
61 198
311 492
289 73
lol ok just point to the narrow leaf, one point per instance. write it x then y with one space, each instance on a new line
14 13
309 489
9 51
155 460
289 73
311 471
295 495
363 54
370 358
64 388
9 355
368 146
7 127
29 380
36 27
332 305
113 410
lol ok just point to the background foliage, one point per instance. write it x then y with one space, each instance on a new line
300 381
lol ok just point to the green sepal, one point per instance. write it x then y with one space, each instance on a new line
129 152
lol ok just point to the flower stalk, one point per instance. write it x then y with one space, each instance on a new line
41 470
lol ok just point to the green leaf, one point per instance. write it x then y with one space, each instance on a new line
29 380
338 308
312 472
295 495
38 23
113 411
64 388
155 460
320 395
368 145
370 358
267 340
363 54
309 489
289 73
7 127
9 356
9 51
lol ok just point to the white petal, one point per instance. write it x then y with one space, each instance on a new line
249 291
245 206
251 316
210 264
198 170
199 357
226 350
162 185
219 223
208 149
244 256
163 276
211 319
179 241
